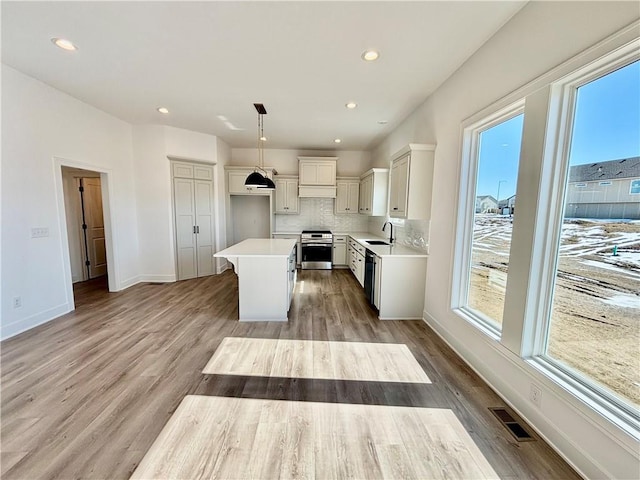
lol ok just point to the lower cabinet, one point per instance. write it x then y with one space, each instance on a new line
291 275
355 253
339 251
399 282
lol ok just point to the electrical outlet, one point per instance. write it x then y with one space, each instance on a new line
17 302
39 232
535 395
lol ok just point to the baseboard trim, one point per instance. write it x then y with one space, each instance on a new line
24 324
129 282
156 278
579 460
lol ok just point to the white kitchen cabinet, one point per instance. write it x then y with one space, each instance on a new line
287 201
291 276
400 278
373 192
236 177
355 255
317 177
194 219
347 196
339 251
317 170
411 182
360 268
401 282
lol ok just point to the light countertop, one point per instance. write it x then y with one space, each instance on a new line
259 247
397 250
394 250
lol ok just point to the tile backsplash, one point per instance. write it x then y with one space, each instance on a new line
319 212
412 233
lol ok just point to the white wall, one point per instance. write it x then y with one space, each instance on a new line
38 124
222 216
539 37
153 199
350 163
152 147
43 128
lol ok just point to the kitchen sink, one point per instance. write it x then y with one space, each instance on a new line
377 242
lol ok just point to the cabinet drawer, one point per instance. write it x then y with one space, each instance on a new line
339 239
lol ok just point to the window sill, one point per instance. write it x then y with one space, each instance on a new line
620 414
485 326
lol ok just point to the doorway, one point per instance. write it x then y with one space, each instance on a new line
85 228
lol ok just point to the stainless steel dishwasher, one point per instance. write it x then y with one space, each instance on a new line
370 276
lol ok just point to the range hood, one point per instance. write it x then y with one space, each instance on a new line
317 177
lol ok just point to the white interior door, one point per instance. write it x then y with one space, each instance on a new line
204 227
94 219
185 215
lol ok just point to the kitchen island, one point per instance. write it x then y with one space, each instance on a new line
266 270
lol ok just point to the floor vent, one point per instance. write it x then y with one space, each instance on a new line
514 426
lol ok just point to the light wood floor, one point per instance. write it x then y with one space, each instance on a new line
378 362
86 395
246 438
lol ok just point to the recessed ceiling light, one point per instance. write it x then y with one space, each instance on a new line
382 122
64 44
163 110
370 55
351 105
337 140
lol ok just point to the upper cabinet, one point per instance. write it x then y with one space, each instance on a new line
236 177
373 192
317 176
411 182
287 195
347 197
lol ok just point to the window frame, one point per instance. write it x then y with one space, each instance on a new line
555 172
631 192
472 128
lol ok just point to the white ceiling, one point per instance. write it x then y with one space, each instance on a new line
205 59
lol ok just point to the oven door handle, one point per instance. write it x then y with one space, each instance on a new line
316 244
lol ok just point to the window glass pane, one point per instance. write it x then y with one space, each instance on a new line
498 159
595 319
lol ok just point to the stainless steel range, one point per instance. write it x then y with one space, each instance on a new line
317 249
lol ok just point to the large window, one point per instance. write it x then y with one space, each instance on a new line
553 272
594 328
494 153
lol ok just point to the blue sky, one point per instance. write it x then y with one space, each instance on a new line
606 127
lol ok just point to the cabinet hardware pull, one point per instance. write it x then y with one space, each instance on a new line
194 229
198 229
395 208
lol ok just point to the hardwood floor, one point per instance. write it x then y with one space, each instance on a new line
86 395
359 361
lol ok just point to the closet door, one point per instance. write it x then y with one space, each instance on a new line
185 216
204 227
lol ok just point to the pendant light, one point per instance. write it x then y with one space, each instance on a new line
255 178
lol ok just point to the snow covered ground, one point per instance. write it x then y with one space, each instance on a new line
595 324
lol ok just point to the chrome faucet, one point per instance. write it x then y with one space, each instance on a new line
391 239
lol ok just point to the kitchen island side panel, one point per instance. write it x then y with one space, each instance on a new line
402 288
262 289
